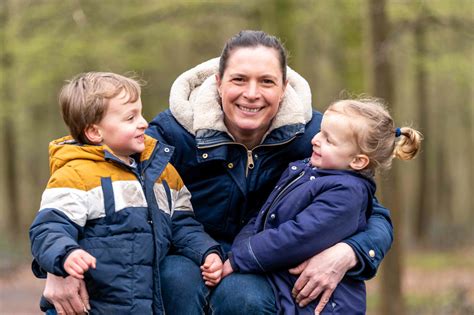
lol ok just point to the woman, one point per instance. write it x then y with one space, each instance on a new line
236 123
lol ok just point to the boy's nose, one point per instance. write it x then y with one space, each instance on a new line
143 123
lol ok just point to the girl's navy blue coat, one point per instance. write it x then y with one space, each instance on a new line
308 211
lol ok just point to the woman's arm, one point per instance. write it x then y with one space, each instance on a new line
371 245
321 274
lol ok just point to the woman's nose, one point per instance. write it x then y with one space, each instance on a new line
252 90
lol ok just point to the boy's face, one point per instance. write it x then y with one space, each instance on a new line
334 146
123 127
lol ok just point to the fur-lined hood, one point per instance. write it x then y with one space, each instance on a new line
194 100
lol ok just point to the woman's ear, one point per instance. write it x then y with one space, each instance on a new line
359 162
93 134
285 84
218 84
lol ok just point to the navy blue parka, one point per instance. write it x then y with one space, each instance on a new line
230 183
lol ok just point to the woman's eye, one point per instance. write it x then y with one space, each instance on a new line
268 82
238 79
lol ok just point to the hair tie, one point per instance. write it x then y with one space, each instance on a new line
398 132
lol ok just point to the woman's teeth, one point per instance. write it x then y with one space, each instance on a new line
251 110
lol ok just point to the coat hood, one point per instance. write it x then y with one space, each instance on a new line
66 149
194 100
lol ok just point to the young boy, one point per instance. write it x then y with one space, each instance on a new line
114 205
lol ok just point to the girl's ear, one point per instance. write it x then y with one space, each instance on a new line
93 134
359 162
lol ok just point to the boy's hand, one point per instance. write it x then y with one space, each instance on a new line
227 269
78 262
212 270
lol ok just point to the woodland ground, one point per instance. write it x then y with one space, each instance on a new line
434 282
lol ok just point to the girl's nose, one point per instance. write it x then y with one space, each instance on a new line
315 140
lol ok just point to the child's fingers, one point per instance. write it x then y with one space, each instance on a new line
80 268
89 260
210 284
212 275
216 266
73 272
83 264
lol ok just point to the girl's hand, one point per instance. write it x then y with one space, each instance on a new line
227 269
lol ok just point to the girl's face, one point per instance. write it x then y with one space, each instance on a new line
334 147
251 90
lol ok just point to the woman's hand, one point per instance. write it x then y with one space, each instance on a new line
212 270
321 274
68 295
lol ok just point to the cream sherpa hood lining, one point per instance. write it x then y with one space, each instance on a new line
194 100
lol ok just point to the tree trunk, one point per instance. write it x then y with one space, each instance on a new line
422 216
9 135
391 295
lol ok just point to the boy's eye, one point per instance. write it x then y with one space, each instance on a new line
130 117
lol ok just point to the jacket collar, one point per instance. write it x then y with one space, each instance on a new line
194 101
66 149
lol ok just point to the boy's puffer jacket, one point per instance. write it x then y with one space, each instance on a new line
127 218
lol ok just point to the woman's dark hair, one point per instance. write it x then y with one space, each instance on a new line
249 38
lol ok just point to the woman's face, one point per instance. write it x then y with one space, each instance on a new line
251 90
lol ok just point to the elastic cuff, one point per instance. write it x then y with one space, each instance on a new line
232 262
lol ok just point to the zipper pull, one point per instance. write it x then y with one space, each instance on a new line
250 164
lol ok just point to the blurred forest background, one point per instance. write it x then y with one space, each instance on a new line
418 55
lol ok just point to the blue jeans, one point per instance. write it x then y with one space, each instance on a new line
184 292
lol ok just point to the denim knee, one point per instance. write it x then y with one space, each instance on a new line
243 294
182 288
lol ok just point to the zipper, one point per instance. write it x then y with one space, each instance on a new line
250 161
280 195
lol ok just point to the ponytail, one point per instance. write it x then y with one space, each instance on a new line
407 144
